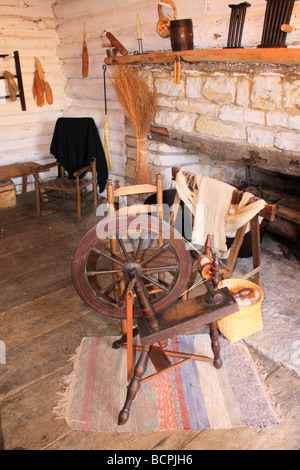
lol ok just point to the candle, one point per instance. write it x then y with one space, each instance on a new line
138 23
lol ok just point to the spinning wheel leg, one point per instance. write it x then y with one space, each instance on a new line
118 343
215 345
134 385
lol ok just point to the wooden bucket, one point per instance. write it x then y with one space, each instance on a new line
181 35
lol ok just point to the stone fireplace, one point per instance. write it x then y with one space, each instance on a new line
221 118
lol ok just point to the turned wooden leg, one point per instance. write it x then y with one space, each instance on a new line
37 194
78 199
215 345
134 385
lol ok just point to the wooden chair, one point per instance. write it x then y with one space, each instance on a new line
135 190
268 213
59 189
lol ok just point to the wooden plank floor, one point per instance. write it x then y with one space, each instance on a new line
42 321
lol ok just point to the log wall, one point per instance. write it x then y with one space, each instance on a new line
30 28
53 31
211 22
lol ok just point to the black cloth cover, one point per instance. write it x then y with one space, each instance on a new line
75 143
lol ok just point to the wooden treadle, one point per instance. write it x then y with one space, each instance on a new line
159 358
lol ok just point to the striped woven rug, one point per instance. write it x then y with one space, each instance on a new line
192 396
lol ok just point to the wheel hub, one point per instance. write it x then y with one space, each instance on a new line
130 268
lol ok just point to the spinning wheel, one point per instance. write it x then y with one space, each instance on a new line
102 279
151 258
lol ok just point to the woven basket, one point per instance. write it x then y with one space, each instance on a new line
247 320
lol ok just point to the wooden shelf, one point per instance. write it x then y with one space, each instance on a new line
281 55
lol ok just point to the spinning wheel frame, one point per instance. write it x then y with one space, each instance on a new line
112 228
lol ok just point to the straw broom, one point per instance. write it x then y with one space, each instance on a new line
139 104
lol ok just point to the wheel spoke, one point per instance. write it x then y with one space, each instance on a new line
122 298
139 245
156 283
110 286
156 269
121 243
105 255
160 250
96 273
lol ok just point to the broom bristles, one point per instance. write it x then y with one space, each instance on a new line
138 101
139 104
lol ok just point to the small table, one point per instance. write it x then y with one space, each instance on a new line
18 170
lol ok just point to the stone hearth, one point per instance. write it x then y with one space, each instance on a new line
220 115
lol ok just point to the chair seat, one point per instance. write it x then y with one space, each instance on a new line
64 184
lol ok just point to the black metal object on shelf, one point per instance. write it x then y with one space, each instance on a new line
278 12
236 26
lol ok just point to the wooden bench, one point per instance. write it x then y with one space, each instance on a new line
18 170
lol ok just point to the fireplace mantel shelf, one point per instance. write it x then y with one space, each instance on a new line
283 56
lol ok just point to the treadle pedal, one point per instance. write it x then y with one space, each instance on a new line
159 358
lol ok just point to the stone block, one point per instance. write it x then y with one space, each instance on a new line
232 113
287 95
165 160
220 130
184 122
243 92
254 116
166 117
260 136
193 87
165 86
289 140
266 92
295 93
206 108
166 101
294 121
220 88
222 172
160 147
277 118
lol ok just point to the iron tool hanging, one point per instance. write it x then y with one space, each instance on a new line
106 128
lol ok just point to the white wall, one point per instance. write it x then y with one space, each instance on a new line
30 28
211 23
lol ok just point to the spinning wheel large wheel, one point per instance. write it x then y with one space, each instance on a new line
102 278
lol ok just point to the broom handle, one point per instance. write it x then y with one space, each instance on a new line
104 70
